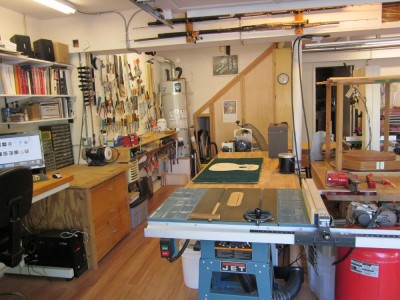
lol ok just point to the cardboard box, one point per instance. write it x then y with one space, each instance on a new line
61 53
33 111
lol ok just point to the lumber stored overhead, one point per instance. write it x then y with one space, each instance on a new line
244 15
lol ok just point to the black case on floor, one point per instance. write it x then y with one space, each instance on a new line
50 249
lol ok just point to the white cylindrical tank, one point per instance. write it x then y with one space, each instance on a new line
174 109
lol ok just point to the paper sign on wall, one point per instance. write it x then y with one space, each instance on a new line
229 111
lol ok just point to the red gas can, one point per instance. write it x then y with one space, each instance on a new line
368 273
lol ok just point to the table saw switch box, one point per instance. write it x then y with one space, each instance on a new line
233 250
167 248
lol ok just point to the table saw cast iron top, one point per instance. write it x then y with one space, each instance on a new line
286 206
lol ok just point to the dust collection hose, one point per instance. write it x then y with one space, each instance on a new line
293 284
294 277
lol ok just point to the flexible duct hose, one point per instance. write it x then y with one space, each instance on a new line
292 286
261 142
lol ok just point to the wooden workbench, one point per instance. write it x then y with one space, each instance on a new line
45 188
96 203
269 176
384 192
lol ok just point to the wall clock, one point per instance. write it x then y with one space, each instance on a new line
283 78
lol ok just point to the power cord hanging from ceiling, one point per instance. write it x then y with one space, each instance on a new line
126 25
296 47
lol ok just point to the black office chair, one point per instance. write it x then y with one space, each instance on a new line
16 186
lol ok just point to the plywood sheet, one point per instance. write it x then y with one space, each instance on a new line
265 199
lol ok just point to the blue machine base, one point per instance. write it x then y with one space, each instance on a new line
230 279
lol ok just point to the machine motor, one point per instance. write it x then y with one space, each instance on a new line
97 156
243 140
228 147
371 216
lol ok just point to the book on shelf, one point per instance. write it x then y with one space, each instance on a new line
50 110
30 80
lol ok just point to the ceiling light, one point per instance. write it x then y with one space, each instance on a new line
150 10
354 45
58 5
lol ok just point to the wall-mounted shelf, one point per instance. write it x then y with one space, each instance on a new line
15 59
125 153
36 121
13 97
29 81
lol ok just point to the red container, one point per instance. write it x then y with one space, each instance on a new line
368 273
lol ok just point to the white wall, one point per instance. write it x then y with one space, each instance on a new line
15 23
197 69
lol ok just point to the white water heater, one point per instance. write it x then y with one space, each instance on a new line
175 112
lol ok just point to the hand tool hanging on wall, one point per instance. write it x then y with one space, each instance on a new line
86 78
89 59
89 64
121 79
117 79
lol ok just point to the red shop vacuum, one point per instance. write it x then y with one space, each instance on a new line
367 274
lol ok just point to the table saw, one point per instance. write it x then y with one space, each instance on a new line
233 243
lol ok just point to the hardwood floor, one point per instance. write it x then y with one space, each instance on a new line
132 270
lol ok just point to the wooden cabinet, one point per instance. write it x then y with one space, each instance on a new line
150 142
96 203
110 213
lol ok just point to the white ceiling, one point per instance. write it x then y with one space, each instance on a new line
191 7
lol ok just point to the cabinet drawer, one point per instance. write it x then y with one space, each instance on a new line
111 234
120 227
109 200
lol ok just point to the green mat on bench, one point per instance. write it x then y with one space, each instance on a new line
207 176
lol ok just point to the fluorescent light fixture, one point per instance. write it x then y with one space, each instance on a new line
58 5
150 10
354 45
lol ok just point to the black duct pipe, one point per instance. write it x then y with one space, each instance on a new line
294 277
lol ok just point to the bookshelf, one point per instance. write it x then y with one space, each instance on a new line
34 91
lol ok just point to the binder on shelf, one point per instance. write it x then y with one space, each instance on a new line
7 74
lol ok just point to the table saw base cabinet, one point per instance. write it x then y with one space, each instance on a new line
238 230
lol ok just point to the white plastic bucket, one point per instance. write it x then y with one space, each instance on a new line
190 266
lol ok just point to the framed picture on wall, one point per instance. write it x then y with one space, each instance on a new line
225 65
229 110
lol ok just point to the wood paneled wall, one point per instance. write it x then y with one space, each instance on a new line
254 90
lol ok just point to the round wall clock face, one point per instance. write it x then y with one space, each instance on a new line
283 78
